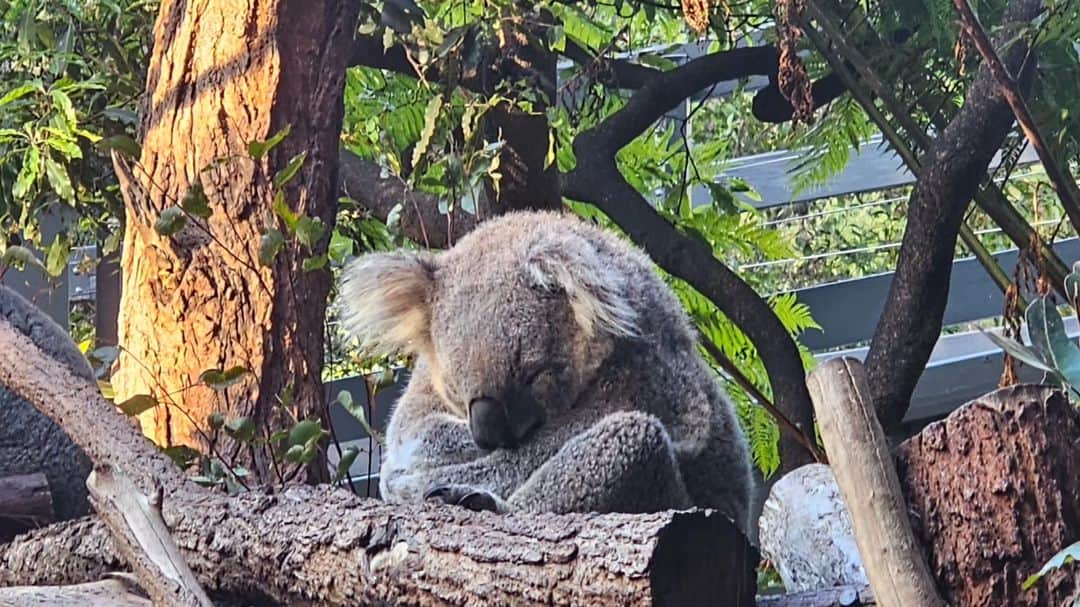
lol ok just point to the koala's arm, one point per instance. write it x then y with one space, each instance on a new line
623 463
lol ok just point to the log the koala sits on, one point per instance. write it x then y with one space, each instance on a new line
555 372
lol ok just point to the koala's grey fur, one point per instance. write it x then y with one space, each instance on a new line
29 441
550 310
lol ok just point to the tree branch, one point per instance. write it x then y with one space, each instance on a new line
613 73
912 319
321 545
420 218
1061 179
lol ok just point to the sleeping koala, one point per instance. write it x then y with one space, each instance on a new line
555 372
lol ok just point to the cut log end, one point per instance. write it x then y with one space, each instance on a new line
699 558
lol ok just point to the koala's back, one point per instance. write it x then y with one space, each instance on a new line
659 372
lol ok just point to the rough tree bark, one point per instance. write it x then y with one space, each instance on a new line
222 74
985 533
30 442
911 321
321 545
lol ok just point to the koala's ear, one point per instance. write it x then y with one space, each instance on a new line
597 294
385 301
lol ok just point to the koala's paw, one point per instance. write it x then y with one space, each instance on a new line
477 500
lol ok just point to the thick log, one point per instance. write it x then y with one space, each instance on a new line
994 492
30 442
805 531
864 468
326 546
25 502
840 596
117 592
141 535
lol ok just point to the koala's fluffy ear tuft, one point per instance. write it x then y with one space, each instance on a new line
597 294
385 301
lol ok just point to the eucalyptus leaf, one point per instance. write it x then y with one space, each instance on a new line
138 404
1048 337
258 149
171 221
1021 353
348 456
286 174
21 257
1067 555
269 246
241 428
220 379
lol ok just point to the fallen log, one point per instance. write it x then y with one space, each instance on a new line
320 545
838 596
863 465
994 492
25 503
115 592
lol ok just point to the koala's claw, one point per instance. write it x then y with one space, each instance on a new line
476 500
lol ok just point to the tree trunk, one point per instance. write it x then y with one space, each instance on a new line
986 532
223 74
911 322
840 596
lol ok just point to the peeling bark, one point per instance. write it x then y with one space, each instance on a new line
222 74
994 492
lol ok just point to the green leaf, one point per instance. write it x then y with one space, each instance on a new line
171 221
345 399
241 428
341 247
138 404
121 143
304 431
269 246
294 453
309 230
1020 352
56 258
63 104
219 380
28 174
1049 339
195 201
282 210
286 174
314 263
215 420
258 149
20 257
181 455
1069 554
431 118
66 147
58 179
19 92
347 458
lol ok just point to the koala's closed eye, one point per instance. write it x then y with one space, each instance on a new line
547 372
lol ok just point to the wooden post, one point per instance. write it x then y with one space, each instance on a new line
864 469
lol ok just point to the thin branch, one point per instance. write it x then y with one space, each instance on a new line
1062 180
615 73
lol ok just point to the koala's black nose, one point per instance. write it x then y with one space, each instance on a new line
498 425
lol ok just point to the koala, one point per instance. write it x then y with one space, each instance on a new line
554 372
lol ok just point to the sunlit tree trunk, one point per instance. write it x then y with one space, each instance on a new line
223 74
